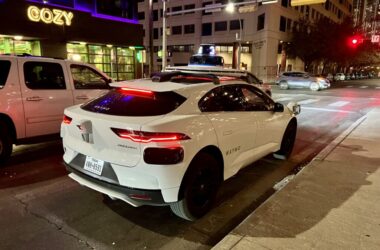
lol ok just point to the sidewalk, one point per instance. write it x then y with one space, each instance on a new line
333 203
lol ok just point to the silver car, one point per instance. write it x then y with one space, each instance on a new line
292 79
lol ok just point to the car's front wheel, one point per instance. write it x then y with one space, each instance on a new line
314 86
284 85
5 142
287 142
201 184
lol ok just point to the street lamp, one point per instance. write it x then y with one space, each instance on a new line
231 9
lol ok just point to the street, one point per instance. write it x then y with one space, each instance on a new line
41 207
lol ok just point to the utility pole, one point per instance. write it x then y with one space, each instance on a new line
164 53
150 30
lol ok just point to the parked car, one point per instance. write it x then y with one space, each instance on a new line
339 77
173 139
295 79
330 77
34 91
222 72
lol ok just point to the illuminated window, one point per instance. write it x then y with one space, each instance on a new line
10 46
117 62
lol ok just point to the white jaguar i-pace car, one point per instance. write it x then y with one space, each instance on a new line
174 138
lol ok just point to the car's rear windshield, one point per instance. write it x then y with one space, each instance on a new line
4 72
130 102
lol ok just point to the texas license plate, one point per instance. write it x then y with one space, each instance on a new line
93 165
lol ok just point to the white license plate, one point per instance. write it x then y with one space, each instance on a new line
93 165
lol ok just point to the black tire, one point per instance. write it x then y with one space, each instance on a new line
6 144
287 142
201 184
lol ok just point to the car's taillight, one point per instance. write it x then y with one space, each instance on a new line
67 119
145 137
163 156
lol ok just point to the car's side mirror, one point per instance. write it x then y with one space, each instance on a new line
278 107
261 81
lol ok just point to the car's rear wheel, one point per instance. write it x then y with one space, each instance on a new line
284 85
201 184
287 142
314 86
5 142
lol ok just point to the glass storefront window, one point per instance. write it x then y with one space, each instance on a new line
117 62
10 46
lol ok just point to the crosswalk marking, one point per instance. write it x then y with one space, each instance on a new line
308 101
328 110
363 87
283 99
338 104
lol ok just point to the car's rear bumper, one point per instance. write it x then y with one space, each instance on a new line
110 187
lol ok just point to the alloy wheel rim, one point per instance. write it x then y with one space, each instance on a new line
314 86
202 189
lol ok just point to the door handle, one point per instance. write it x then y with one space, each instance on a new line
81 97
228 132
34 99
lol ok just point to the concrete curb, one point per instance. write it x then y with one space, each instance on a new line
329 148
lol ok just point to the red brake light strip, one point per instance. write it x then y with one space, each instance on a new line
138 92
146 137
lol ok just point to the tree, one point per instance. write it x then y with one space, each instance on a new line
304 43
327 42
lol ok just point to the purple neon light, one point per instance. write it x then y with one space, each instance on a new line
88 10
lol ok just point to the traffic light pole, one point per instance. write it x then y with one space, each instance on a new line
164 60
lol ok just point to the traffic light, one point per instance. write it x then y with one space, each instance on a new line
354 41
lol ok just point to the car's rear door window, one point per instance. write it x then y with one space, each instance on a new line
44 75
132 103
4 72
87 78
224 98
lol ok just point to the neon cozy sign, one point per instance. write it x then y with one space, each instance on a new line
48 16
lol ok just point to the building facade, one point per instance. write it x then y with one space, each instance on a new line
264 30
105 33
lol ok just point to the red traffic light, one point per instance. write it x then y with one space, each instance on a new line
354 41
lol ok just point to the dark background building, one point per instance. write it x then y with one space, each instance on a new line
105 33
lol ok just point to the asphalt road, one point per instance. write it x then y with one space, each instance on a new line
42 208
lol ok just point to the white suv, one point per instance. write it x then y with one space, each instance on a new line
173 139
34 91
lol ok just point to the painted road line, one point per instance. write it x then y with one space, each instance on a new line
363 87
378 87
329 110
283 99
308 101
338 104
